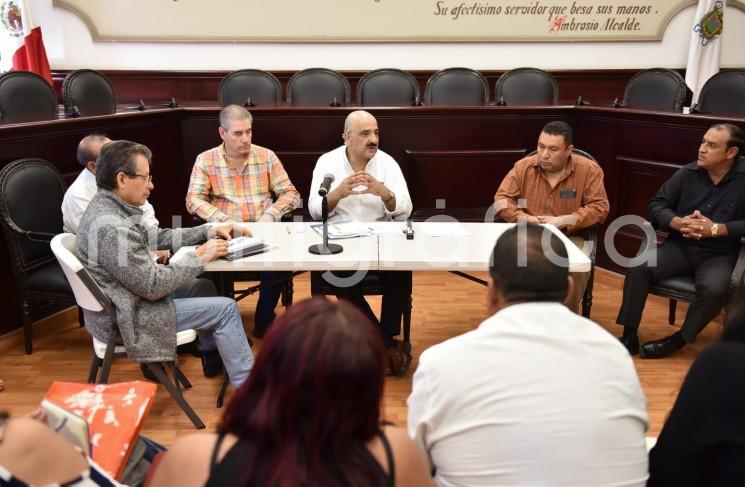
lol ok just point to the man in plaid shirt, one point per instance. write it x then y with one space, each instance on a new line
243 182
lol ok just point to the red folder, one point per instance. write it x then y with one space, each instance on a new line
114 412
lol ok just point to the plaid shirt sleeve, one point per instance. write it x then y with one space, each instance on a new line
287 197
197 196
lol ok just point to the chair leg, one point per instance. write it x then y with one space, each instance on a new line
223 390
587 297
158 369
287 292
407 322
93 372
81 317
181 378
671 311
108 358
27 331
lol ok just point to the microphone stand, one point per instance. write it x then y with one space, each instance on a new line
325 248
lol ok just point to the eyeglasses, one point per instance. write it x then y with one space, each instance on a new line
147 177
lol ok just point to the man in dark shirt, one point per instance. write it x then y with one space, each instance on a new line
702 206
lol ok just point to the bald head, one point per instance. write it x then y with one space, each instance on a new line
90 148
356 118
361 137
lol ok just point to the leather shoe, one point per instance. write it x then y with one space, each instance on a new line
399 358
259 332
191 348
211 363
631 344
147 373
660 348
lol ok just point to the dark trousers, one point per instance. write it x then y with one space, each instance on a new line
270 290
196 288
711 272
396 287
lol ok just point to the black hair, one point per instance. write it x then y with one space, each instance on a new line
736 136
118 156
523 268
558 127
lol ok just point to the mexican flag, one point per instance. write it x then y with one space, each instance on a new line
706 44
22 42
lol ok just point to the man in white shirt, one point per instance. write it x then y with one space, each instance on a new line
536 395
368 186
84 188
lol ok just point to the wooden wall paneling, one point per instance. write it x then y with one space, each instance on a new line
299 166
638 183
56 141
459 190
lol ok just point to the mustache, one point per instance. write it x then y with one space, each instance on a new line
372 146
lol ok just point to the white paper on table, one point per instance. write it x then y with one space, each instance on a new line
436 229
181 252
386 228
344 230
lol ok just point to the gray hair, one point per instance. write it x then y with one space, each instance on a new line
233 112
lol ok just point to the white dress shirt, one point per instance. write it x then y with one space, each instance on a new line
361 207
538 396
80 193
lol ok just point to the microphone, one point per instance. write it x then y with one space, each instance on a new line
618 104
326 185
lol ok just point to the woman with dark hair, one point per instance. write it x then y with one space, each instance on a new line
703 440
308 415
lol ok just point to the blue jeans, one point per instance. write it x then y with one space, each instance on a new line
220 316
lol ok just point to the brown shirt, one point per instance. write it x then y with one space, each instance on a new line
579 192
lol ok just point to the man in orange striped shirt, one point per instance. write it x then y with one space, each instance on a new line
235 182
558 187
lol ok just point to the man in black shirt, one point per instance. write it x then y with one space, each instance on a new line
702 206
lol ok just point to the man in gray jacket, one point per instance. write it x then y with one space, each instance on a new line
116 249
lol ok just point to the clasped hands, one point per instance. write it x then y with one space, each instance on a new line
561 222
362 178
217 245
695 226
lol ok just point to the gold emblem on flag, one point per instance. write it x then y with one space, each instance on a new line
711 25
10 17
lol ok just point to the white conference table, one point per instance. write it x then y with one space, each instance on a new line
459 247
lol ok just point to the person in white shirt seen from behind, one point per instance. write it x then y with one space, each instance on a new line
536 395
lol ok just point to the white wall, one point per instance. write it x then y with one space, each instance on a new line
69 46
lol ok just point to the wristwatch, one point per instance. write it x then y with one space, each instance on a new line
715 230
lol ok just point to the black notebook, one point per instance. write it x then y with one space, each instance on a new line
241 247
